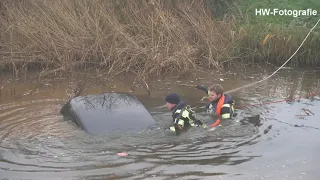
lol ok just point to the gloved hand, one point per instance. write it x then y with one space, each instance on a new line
172 129
204 126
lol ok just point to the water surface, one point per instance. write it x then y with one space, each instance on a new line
267 141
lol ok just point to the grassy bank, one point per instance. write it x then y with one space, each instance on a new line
275 38
143 37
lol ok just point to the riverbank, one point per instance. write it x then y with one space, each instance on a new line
146 38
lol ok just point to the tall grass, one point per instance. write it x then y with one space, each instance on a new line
272 43
145 37
274 39
148 37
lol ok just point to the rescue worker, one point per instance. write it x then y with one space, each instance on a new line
183 116
220 104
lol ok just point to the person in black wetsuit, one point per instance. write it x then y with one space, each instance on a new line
183 116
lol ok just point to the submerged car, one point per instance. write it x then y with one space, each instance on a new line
103 113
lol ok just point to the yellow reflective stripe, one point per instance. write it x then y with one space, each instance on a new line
178 111
229 106
181 122
185 114
226 105
225 116
172 128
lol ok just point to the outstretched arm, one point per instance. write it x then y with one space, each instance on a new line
203 88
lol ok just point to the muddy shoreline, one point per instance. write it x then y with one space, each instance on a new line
83 82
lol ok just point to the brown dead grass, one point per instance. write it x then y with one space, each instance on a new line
146 37
152 37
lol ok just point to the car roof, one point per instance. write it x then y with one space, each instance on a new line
107 112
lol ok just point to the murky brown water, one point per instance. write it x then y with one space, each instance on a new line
36 143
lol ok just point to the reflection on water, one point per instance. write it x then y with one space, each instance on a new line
271 141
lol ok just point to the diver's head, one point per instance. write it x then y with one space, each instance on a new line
172 100
215 92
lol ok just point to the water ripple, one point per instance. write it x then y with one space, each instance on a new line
36 139
37 143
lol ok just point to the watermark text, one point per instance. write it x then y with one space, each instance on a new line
285 12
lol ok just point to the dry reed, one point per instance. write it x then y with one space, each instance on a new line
145 37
